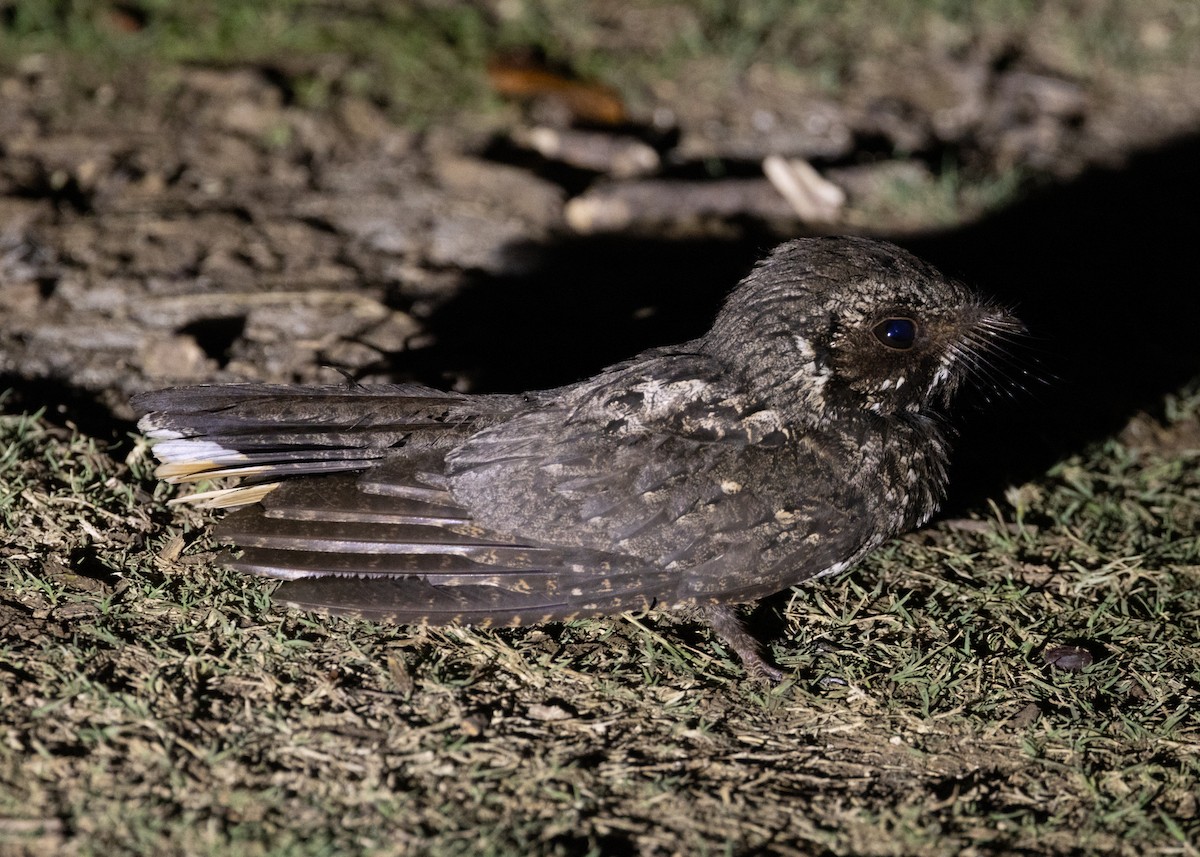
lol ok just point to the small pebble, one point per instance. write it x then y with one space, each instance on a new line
473 725
1069 658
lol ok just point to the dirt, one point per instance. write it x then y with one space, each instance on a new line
206 228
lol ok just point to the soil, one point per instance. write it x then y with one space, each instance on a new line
205 228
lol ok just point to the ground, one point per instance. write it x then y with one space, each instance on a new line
288 193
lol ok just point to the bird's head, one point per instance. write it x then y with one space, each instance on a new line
827 326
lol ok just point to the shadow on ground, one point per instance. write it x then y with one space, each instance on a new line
1102 270
64 404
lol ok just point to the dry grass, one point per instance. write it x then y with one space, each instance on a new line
161 705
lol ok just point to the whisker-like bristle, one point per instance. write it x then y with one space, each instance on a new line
996 353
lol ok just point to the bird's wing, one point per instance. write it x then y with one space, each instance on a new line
663 461
262 432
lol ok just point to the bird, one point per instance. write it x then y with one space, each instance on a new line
809 425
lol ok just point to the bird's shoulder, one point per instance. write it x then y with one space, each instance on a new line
677 392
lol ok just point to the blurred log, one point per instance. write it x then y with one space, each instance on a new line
658 203
616 155
813 198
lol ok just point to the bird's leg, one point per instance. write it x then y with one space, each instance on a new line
724 620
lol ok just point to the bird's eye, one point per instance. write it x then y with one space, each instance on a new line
898 333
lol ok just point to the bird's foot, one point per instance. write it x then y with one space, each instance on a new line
724 620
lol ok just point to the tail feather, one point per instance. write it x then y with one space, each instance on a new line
342 499
296 405
185 466
298 564
483 602
265 432
372 557
407 478
251 528
413 601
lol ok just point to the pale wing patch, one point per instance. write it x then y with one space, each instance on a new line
181 451
660 399
692 406
226 498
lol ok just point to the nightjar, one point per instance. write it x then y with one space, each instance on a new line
798 434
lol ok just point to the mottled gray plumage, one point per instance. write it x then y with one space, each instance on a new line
802 431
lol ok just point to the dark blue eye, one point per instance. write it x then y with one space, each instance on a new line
898 333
